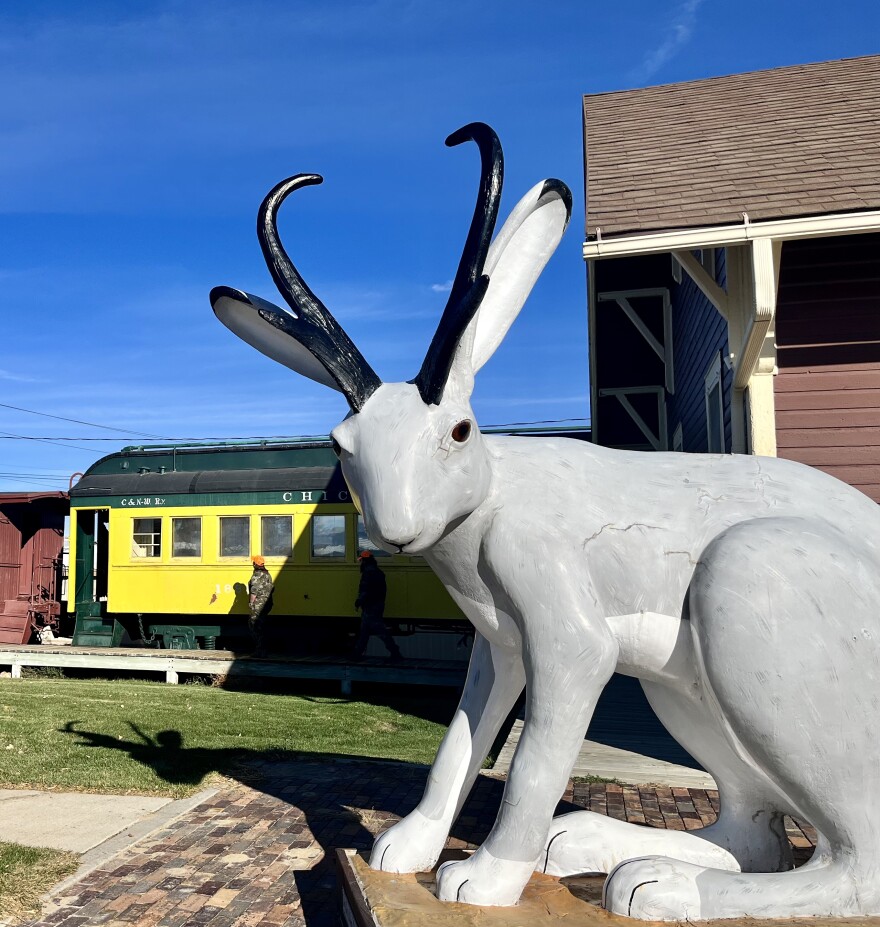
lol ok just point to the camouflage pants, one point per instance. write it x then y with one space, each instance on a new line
257 619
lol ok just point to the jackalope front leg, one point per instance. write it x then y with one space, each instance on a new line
494 681
568 661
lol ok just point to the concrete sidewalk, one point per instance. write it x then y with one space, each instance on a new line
624 766
75 821
97 827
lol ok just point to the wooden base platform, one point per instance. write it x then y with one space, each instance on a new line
174 663
382 899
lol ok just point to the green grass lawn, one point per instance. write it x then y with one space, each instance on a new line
25 873
126 736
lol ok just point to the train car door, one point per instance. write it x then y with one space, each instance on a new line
92 551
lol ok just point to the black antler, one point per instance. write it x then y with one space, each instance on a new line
313 326
469 286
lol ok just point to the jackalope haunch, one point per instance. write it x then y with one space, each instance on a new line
743 592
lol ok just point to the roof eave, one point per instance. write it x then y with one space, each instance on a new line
719 236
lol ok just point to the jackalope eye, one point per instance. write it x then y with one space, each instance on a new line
461 432
337 447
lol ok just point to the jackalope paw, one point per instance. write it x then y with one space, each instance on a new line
654 888
411 845
483 879
584 841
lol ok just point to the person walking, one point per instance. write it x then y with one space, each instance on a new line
259 592
371 601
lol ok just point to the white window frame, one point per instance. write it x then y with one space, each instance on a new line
154 546
327 558
244 556
713 380
174 520
706 257
289 556
677 438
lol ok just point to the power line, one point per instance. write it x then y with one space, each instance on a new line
14 474
77 421
57 441
7 435
15 479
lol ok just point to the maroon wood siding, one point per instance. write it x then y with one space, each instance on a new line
827 392
31 541
10 555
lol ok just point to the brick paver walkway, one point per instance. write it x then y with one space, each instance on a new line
260 852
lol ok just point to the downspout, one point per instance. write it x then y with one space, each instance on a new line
756 363
591 335
765 284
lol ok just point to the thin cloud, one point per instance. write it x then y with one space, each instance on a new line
18 377
442 287
683 24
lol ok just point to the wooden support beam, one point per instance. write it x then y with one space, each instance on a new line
710 289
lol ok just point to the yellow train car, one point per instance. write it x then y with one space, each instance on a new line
162 536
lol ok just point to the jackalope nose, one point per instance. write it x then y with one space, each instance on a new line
400 543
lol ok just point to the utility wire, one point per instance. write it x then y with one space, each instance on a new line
6 434
77 421
15 479
36 477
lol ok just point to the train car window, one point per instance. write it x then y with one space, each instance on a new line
364 542
277 535
146 539
235 536
186 537
328 536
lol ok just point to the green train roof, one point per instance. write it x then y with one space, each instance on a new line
228 455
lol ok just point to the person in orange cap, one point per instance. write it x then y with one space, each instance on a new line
371 601
260 591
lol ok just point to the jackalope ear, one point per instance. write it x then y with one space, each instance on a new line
308 339
262 325
516 259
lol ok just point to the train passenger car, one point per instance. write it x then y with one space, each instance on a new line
162 536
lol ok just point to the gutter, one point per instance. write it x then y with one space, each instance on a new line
719 236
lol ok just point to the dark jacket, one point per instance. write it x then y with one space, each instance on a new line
371 591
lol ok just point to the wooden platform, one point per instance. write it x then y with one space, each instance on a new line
383 899
174 663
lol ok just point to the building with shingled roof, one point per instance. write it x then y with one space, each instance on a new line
733 248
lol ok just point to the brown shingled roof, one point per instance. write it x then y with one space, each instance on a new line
788 142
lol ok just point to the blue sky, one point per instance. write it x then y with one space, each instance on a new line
137 140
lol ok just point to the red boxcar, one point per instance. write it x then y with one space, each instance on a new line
31 554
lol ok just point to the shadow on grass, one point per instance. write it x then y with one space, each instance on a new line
430 703
337 795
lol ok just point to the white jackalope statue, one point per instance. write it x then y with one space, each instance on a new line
743 592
